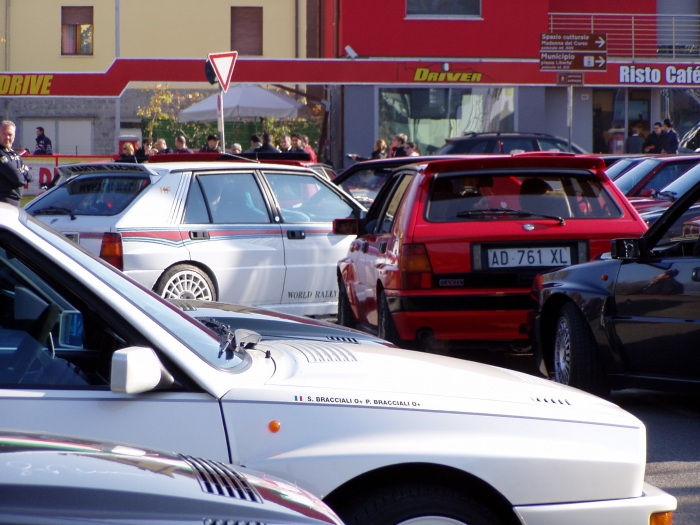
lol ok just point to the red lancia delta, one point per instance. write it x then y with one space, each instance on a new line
449 248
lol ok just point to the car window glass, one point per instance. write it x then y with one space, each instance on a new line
619 167
552 145
365 184
48 336
514 145
685 229
303 198
505 196
684 183
103 195
387 219
234 198
667 174
196 211
630 179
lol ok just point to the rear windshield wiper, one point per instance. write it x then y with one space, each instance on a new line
508 211
55 210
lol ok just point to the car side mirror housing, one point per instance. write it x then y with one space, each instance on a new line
346 226
137 369
625 249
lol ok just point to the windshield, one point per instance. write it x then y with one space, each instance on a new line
511 196
365 184
619 167
190 332
629 180
104 195
682 184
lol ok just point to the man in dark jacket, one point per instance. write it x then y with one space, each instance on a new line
212 145
654 143
671 142
267 146
13 173
43 143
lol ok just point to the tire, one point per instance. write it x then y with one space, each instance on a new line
576 360
419 504
386 329
345 315
184 281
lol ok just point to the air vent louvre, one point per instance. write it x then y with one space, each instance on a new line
339 339
323 353
222 479
552 400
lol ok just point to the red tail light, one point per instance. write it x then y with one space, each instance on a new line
415 268
111 250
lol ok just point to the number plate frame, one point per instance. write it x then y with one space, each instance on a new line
480 254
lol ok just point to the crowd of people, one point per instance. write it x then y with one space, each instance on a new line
259 143
400 147
662 139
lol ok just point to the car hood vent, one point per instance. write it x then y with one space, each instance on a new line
322 353
341 339
552 400
222 479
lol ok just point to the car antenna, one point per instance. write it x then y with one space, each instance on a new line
227 156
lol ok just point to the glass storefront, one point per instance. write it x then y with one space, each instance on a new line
430 115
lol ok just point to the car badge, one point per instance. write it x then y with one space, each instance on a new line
504 205
528 227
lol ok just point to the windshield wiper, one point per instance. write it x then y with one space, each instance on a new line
508 211
670 195
55 210
231 340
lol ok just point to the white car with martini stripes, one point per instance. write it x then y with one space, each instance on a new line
384 436
240 232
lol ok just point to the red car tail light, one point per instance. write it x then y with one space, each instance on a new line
112 251
415 268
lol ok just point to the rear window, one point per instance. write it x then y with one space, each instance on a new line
365 184
512 196
102 195
454 147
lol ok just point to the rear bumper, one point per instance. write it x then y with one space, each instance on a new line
461 317
631 511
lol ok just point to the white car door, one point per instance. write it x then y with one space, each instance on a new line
230 231
56 343
312 251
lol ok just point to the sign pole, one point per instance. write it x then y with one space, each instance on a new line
220 110
570 110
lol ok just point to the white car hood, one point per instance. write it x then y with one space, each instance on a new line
372 375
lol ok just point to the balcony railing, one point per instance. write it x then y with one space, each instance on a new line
667 37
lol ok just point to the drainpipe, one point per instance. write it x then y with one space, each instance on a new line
7 35
117 53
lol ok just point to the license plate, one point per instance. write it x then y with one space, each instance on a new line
525 257
75 237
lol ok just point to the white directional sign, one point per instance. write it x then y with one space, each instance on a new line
223 64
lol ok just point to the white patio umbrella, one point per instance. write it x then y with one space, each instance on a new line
245 101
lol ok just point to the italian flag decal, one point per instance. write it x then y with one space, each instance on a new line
298 398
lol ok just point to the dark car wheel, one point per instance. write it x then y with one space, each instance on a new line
345 315
576 361
386 329
184 281
418 504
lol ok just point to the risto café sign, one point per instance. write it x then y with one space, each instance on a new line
675 75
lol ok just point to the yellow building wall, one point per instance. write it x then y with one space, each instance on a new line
148 29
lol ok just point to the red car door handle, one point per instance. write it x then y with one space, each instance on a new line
365 246
382 247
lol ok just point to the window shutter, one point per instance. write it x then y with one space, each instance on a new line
246 30
76 15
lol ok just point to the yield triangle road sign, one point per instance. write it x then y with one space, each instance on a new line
223 64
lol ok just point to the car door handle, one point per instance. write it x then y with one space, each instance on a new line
382 247
365 246
198 235
696 274
296 234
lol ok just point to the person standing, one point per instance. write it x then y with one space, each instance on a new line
128 154
162 146
145 150
307 148
671 142
397 146
412 149
236 148
379 152
267 146
43 143
13 173
212 145
654 144
181 145
254 142
296 144
285 144
635 143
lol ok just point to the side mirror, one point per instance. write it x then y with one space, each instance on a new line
137 369
625 249
346 226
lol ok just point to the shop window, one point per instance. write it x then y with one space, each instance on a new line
432 8
76 30
246 30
